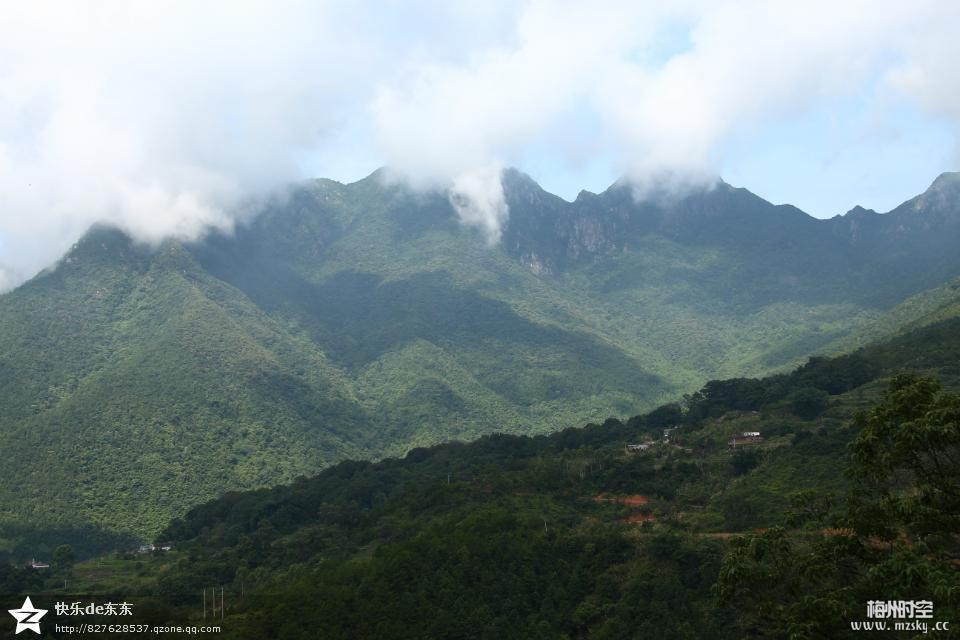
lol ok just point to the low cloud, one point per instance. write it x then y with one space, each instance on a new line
665 89
477 197
162 118
8 278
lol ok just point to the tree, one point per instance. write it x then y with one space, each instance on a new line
907 459
808 403
63 558
745 460
896 535
663 416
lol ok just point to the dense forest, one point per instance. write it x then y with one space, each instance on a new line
849 495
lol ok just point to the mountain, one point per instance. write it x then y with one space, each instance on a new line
919 310
574 535
786 254
360 320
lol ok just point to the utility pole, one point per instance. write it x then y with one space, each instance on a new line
204 603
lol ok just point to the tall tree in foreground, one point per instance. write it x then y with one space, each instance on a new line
895 537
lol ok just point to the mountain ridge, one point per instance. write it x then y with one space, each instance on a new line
360 320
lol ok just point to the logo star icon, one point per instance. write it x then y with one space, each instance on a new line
28 617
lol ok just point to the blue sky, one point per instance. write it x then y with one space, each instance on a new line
859 143
825 161
831 159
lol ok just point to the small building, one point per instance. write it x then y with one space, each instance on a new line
38 565
639 448
746 438
146 548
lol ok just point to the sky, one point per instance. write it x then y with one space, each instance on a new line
168 119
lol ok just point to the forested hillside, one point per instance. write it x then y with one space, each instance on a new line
848 495
359 321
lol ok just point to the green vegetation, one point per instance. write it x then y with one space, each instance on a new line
360 321
572 535
897 533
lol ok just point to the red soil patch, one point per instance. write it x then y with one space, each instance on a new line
640 518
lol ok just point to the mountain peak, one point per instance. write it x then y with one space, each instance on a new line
858 212
380 175
948 180
520 188
942 199
513 178
100 240
669 187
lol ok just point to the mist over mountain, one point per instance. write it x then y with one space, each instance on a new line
360 320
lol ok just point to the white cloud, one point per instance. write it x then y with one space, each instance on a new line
477 197
748 62
8 278
664 117
927 71
161 117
